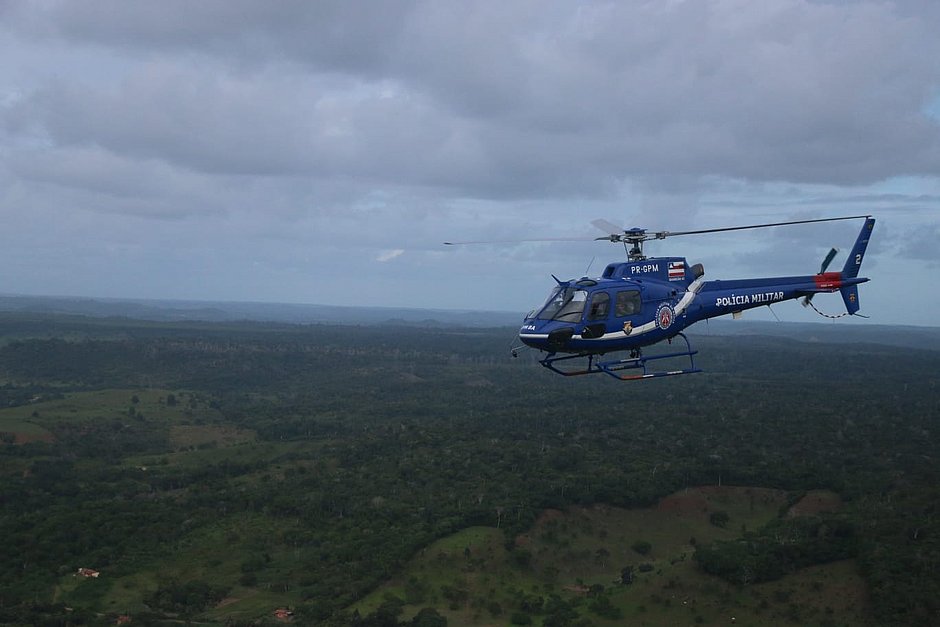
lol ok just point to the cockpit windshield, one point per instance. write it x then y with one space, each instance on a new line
564 303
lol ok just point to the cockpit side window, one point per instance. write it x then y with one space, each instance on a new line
600 306
627 304
565 303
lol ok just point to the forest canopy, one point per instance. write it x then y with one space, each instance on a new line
191 460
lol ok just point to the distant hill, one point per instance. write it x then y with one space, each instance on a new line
827 332
208 311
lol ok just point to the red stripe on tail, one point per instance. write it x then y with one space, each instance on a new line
828 280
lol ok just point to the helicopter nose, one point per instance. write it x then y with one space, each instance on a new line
559 338
531 335
537 336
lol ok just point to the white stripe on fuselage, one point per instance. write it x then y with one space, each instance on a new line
680 307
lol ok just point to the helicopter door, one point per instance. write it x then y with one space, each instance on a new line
596 315
627 305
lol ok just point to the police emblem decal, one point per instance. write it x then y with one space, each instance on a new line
664 317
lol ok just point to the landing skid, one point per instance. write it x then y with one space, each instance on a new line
636 361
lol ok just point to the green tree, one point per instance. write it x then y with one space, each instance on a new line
428 617
719 519
642 547
626 575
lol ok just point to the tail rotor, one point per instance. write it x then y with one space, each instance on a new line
822 269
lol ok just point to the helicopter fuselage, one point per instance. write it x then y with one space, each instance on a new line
642 302
612 314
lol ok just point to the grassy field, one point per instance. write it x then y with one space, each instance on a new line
23 429
472 579
215 554
182 436
84 406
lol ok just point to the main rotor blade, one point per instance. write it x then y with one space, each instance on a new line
607 227
665 234
617 233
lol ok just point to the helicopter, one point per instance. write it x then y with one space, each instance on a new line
647 300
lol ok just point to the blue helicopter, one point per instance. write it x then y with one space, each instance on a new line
644 301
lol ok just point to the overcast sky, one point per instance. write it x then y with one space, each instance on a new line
321 152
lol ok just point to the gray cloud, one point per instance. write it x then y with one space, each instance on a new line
324 136
921 243
528 99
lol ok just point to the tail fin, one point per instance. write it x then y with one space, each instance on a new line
854 262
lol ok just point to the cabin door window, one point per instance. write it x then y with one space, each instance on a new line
627 303
600 306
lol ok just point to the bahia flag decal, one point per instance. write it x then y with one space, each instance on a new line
676 270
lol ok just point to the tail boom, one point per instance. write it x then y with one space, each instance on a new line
723 297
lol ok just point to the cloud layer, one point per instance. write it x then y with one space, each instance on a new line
344 135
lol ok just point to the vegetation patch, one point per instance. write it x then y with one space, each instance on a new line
208 436
780 547
603 565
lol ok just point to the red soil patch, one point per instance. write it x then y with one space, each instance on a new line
547 515
22 438
704 499
816 502
523 539
691 501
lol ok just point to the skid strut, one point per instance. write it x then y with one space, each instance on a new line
617 367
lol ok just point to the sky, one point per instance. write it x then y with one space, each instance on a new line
322 152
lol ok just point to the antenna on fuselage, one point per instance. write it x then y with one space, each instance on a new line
588 269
